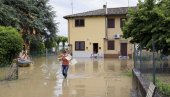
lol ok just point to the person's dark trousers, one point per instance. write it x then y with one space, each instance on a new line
65 70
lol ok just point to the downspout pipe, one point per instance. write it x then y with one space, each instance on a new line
105 7
106 36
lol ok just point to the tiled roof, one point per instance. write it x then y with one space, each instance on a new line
101 12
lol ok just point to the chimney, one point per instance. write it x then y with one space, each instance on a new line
105 7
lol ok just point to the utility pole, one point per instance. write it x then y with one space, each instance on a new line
72 11
72 7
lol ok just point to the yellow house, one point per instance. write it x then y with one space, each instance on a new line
99 33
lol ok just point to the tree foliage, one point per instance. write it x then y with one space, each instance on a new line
149 23
37 46
61 39
49 43
10 45
30 17
64 40
57 40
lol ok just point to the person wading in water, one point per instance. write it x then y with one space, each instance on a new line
65 64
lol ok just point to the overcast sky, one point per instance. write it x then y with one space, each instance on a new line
63 8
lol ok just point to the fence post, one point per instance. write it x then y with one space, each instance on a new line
14 70
46 51
140 57
17 70
134 56
153 60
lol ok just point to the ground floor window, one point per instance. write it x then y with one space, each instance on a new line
79 45
110 44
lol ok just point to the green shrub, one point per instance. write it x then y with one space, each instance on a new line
1 78
37 46
11 44
163 88
127 73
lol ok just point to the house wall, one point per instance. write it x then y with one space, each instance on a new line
117 29
110 33
92 32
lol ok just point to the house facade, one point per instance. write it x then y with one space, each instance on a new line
98 33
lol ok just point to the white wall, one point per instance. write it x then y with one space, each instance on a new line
85 54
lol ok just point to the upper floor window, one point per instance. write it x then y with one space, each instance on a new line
79 23
79 45
122 21
111 45
111 23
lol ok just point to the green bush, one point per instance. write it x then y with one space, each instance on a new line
127 73
1 78
37 46
163 88
11 44
49 43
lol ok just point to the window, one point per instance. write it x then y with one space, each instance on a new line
79 22
79 45
111 23
122 22
111 45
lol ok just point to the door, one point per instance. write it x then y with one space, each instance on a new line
95 48
123 49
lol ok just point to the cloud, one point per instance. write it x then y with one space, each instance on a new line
63 8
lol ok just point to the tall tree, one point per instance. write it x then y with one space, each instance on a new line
163 10
146 24
58 40
64 40
30 17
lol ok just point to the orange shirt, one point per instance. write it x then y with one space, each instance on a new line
64 60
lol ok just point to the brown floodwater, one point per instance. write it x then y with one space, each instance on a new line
88 78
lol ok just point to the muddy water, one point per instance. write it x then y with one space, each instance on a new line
88 78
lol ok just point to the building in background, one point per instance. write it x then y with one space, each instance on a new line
98 32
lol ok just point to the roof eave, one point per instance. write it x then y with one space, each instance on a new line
68 17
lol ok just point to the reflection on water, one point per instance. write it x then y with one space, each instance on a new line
123 65
87 78
95 66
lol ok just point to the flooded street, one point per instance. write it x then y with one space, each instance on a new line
88 78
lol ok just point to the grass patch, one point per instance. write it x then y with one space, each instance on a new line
1 78
163 88
127 73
